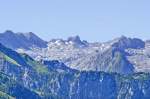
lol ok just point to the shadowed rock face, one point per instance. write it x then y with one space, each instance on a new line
20 40
76 40
124 43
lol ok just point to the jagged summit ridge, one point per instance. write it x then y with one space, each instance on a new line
124 43
73 41
21 40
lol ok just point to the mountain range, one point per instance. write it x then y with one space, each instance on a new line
73 69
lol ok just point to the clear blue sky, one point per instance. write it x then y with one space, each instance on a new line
93 20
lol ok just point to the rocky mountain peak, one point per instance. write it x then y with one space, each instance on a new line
21 40
9 32
77 41
74 39
125 42
30 35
